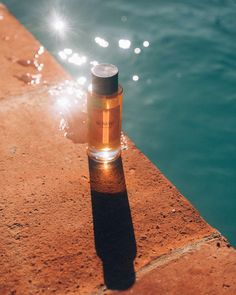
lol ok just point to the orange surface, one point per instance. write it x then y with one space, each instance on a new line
209 269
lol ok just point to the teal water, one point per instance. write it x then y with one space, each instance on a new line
181 111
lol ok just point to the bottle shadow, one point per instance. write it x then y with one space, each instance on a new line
113 228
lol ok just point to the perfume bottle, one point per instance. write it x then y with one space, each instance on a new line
104 114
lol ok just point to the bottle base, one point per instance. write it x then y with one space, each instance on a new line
104 156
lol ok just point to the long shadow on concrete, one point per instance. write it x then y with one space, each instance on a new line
113 229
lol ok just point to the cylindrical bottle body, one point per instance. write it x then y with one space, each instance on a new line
104 125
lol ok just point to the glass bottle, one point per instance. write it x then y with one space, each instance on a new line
104 114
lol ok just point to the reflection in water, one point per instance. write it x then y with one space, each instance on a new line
93 63
67 55
62 55
137 50
113 229
58 24
101 42
77 59
68 51
124 43
74 58
135 78
145 43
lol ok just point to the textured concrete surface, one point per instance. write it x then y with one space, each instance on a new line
69 225
209 268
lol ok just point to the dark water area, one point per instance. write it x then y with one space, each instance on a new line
179 85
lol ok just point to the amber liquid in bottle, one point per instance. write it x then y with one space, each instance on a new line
104 125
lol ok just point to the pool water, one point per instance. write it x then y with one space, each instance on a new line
177 62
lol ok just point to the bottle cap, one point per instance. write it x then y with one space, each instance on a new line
104 79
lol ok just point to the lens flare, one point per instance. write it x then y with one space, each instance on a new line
58 24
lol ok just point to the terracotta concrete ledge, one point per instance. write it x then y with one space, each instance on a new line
68 225
207 267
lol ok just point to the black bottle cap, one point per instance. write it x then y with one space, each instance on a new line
104 79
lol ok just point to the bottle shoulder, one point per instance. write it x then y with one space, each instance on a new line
93 94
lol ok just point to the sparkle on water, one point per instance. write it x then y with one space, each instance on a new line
72 58
94 63
124 43
62 55
145 44
137 50
101 42
77 59
68 51
135 78
58 24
